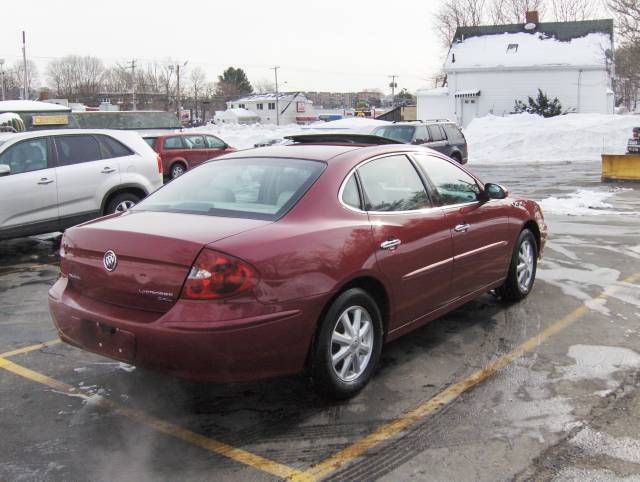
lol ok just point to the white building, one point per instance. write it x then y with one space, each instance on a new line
294 107
488 68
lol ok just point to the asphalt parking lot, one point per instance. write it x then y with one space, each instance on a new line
546 389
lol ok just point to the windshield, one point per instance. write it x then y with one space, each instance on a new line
402 134
255 188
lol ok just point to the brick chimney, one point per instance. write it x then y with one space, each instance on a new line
532 17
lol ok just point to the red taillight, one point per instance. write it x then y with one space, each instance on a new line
159 159
216 275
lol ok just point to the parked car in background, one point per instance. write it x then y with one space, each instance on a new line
441 135
181 151
308 256
51 180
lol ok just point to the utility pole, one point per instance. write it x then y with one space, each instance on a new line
26 73
133 84
275 70
393 86
2 77
178 88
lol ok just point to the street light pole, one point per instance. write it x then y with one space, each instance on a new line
2 77
24 59
178 86
275 69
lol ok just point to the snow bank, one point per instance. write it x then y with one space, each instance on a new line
31 106
583 202
529 137
245 136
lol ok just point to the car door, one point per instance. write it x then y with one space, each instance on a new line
28 194
197 152
438 140
84 176
480 230
413 242
215 147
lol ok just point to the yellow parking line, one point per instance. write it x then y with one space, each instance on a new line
27 349
247 458
391 429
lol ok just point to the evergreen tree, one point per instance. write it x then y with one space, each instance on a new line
540 106
233 83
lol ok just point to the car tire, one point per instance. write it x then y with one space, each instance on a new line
121 203
177 170
522 270
342 363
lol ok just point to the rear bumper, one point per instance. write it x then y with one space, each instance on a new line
200 340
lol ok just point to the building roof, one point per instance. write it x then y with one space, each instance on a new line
433 91
238 114
31 106
556 44
271 97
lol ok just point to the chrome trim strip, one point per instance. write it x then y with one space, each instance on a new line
427 268
479 250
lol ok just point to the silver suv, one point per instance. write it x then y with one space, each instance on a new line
51 180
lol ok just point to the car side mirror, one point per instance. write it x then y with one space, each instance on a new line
494 191
5 170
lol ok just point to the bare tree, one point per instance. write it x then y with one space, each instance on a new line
457 13
263 86
198 79
571 10
627 13
14 78
515 10
77 78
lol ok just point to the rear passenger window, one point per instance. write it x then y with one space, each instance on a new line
77 149
173 143
214 142
436 133
392 184
351 194
114 148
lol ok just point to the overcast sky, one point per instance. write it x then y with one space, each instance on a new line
335 45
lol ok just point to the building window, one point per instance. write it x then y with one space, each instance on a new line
241 106
260 106
272 106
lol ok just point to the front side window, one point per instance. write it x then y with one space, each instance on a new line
173 143
214 143
26 156
392 184
194 142
255 188
452 184
77 149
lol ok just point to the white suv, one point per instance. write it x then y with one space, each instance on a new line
51 180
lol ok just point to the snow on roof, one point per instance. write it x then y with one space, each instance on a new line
238 113
527 50
433 91
282 96
31 106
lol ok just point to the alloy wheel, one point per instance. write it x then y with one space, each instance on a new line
352 343
124 206
524 269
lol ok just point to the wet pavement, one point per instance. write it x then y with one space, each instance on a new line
545 389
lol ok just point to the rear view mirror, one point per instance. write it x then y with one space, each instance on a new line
495 191
5 170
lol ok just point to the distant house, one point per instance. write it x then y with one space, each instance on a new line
294 107
488 68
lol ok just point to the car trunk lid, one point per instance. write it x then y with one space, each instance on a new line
150 255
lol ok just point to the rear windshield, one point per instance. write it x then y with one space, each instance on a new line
255 188
402 134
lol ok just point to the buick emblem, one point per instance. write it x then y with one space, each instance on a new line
110 260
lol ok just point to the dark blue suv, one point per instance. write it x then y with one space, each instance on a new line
441 135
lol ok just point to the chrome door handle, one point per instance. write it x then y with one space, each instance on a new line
45 180
461 228
107 170
390 244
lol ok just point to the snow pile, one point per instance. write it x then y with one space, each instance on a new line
581 202
30 106
9 117
529 137
245 136
526 50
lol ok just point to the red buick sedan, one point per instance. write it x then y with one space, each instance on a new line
279 260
